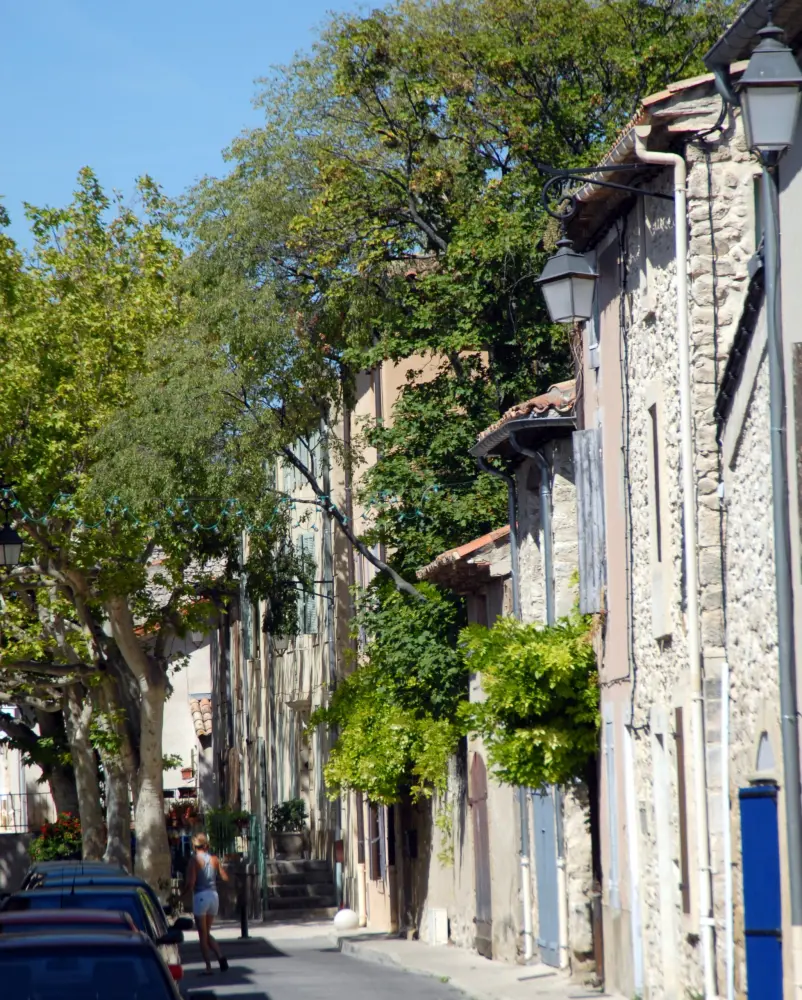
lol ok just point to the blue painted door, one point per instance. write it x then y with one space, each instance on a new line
760 851
548 901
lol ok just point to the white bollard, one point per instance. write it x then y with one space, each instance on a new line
346 920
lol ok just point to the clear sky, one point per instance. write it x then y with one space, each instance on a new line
154 86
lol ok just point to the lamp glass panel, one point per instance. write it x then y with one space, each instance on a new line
10 553
770 115
559 299
584 287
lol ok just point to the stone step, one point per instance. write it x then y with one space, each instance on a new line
317 913
315 876
299 866
302 902
300 891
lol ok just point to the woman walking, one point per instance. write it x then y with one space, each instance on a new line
202 873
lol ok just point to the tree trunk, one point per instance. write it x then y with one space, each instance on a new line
152 848
118 814
77 716
60 777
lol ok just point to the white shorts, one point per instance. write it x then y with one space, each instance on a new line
206 903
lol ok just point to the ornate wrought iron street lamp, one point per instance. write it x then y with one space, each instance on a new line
10 541
770 91
568 283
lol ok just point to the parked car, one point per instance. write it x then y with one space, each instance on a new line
111 966
56 921
53 880
41 869
127 897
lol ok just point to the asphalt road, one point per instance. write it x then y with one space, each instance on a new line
292 967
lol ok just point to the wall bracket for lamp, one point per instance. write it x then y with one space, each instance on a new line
557 189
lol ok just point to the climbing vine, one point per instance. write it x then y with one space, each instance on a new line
540 716
396 715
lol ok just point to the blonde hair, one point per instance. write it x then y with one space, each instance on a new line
200 842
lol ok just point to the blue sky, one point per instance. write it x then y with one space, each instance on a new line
156 86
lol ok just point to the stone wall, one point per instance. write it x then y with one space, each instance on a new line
751 622
720 212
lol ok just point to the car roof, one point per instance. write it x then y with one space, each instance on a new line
67 863
92 878
112 917
130 887
109 939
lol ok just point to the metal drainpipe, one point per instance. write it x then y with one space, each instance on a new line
548 573
526 885
782 565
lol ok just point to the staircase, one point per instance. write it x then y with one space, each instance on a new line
300 890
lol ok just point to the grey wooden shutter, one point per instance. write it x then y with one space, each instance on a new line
590 519
307 600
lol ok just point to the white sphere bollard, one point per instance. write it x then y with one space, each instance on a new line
346 920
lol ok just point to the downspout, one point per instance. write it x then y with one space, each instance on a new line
548 574
782 565
706 922
526 885
729 939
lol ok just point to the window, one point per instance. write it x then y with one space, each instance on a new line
657 508
374 839
659 541
685 874
307 599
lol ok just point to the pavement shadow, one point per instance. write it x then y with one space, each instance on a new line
207 994
252 948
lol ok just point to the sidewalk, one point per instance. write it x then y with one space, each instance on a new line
479 978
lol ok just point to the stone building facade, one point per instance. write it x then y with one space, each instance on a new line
651 860
561 872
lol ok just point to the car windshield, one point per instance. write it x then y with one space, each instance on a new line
52 973
126 902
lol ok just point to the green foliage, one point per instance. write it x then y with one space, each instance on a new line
444 822
287 817
424 493
171 760
223 827
540 716
60 840
394 716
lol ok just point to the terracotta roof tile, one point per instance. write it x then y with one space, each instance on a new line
463 551
560 399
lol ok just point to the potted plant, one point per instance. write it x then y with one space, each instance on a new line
286 825
242 820
58 841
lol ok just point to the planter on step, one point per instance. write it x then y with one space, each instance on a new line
289 846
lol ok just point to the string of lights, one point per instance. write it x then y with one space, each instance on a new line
230 510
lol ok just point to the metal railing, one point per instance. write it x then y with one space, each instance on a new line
25 812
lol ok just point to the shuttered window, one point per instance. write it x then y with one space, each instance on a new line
590 519
685 874
307 599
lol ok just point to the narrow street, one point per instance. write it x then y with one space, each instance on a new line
300 962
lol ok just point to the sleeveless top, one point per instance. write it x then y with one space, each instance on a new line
206 875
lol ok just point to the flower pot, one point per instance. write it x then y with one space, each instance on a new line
186 773
288 845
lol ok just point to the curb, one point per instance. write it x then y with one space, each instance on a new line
351 947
